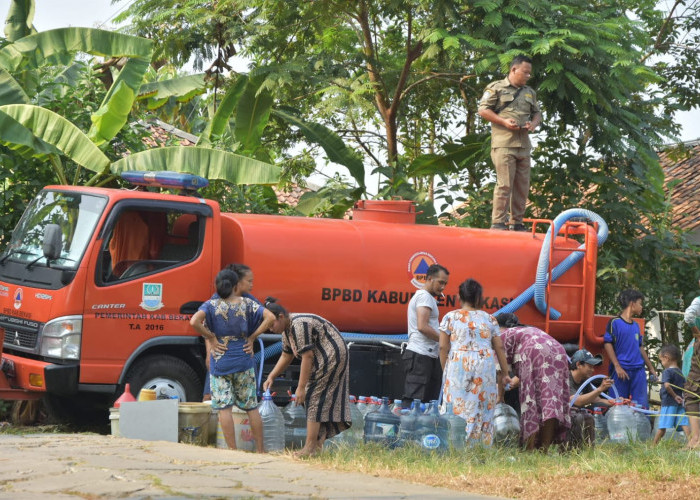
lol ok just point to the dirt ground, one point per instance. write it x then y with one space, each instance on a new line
92 466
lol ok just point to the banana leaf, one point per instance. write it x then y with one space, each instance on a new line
183 87
51 128
252 114
209 163
20 18
51 46
10 91
108 120
217 125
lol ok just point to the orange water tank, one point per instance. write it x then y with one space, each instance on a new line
361 274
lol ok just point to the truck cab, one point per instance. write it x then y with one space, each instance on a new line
97 287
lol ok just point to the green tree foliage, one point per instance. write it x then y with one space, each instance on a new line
192 30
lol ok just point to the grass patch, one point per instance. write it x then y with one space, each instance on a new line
33 429
637 470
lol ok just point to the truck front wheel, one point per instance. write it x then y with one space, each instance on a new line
167 375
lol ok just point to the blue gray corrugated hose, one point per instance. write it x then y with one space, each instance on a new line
583 386
538 289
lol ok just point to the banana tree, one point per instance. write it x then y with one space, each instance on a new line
33 131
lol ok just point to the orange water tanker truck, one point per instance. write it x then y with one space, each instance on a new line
97 285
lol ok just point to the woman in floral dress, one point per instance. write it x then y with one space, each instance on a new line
542 372
469 340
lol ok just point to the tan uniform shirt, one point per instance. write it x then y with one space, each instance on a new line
496 95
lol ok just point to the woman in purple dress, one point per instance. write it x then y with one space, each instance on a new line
542 373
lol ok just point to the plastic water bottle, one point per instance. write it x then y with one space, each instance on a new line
294 425
355 433
432 430
373 404
601 426
397 407
457 432
273 424
506 426
382 426
408 425
362 405
622 426
643 424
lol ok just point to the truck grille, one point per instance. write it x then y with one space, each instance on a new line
20 333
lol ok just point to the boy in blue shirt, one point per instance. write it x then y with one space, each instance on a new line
624 347
672 382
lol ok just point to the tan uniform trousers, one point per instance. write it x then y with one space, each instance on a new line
512 184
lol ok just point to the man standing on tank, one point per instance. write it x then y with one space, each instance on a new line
511 107
421 360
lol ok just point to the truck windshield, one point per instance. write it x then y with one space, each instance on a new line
75 213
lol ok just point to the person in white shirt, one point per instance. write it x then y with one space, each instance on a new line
421 357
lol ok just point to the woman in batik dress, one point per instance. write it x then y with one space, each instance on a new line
541 371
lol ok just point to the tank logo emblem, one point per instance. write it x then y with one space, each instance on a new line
152 297
418 266
18 298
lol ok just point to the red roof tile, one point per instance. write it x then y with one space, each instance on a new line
681 165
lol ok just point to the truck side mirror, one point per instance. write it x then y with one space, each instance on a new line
53 241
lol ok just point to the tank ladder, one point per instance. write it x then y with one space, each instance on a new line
557 244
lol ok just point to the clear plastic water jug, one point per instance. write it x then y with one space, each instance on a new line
382 426
355 433
643 424
273 424
622 426
457 428
432 430
506 425
408 424
601 425
294 425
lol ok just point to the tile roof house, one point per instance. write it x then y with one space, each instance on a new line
681 167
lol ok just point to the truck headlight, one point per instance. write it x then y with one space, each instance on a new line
61 337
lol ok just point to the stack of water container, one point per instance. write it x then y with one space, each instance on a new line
432 430
421 426
382 426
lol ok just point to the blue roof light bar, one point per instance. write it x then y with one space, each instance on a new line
165 179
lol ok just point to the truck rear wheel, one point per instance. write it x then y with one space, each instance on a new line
167 375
